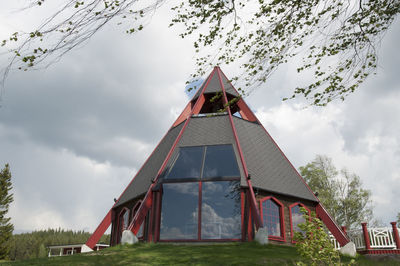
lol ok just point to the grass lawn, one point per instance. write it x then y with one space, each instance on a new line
195 254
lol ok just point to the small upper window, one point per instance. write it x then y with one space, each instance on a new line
220 162
188 163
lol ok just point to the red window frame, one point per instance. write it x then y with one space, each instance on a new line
119 227
135 208
290 216
200 202
281 217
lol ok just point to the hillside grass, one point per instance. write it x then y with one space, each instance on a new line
187 254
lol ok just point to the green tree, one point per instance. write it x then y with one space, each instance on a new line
336 41
6 228
42 251
314 245
398 219
340 192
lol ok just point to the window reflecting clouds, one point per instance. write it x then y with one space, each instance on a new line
125 220
220 201
220 213
220 162
188 163
271 217
179 211
297 218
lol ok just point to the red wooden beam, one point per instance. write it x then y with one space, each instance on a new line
140 215
184 115
201 100
245 111
336 231
95 237
252 198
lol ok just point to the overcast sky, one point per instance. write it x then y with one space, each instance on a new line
75 133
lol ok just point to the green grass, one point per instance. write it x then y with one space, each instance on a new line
196 254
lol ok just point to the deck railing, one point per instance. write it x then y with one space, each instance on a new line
382 238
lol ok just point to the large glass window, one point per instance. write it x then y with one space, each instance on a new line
209 188
220 210
179 218
220 161
188 164
271 216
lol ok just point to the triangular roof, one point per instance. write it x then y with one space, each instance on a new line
261 163
254 148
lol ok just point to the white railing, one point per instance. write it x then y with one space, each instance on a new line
334 242
357 237
380 238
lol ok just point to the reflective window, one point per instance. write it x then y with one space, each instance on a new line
188 164
220 161
220 210
125 219
297 218
271 217
140 232
179 211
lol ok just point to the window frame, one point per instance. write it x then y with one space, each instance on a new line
281 218
201 177
199 216
291 220
119 227
135 208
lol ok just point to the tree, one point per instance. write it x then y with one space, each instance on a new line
398 219
6 228
341 192
336 41
314 245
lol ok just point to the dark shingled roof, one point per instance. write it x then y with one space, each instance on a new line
142 180
268 167
214 86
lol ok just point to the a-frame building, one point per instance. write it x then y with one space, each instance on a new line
217 175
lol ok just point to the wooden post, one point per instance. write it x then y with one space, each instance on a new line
366 236
396 234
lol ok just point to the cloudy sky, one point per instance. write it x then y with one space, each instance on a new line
76 133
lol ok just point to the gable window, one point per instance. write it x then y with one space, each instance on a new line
272 217
296 217
220 161
204 162
188 164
